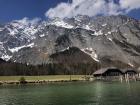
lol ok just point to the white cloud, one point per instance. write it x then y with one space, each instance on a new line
129 5
26 21
83 7
113 9
35 20
92 8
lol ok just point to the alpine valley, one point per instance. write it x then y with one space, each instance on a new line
79 44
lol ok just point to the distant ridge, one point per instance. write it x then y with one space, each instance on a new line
106 40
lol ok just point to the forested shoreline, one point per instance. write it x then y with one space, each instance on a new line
11 69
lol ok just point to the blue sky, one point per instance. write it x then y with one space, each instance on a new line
18 9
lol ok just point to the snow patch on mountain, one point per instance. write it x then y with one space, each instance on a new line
97 33
103 25
110 39
12 31
91 52
130 64
30 31
87 27
26 29
109 32
16 49
65 49
6 57
42 35
60 23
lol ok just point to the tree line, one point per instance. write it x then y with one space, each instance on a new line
11 69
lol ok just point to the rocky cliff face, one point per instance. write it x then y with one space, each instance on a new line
108 41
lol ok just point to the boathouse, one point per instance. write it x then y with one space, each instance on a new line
138 71
114 73
108 73
130 72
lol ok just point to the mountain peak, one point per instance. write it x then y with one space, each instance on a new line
104 38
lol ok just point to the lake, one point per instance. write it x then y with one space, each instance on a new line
84 93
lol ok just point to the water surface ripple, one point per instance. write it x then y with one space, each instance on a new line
95 93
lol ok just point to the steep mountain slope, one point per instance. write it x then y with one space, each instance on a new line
108 41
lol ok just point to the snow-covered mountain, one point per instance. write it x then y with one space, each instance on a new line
109 41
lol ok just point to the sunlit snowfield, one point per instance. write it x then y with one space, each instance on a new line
95 93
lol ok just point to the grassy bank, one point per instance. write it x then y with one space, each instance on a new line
42 78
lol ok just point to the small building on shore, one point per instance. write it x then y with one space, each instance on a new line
138 71
130 74
114 73
108 73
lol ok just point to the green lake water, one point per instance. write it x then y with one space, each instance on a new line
85 93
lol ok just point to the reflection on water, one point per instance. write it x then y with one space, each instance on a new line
96 93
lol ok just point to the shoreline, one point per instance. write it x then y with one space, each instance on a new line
38 82
5 80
